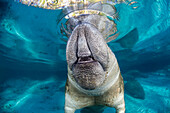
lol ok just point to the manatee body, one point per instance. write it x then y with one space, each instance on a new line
94 76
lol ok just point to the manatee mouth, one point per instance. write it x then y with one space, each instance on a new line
82 60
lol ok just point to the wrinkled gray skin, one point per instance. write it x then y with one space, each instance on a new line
87 56
94 77
105 26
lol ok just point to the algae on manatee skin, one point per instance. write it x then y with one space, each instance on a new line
134 89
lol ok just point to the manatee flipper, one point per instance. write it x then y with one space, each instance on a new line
135 89
93 109
130 39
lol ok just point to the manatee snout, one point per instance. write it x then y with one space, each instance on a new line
87 56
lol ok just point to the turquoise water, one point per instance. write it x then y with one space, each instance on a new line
33 68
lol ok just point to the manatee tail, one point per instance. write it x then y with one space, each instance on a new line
93 109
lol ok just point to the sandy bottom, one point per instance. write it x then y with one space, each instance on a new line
33 96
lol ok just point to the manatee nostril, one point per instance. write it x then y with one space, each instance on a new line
79 22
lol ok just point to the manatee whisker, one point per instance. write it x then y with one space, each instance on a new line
66 32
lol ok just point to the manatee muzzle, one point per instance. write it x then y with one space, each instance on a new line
87 56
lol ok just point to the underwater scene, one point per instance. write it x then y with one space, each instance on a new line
35 58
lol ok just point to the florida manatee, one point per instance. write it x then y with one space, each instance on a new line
94 76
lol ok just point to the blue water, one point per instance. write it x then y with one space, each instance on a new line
33 68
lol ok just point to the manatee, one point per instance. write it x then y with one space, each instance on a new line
134 89
94 77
